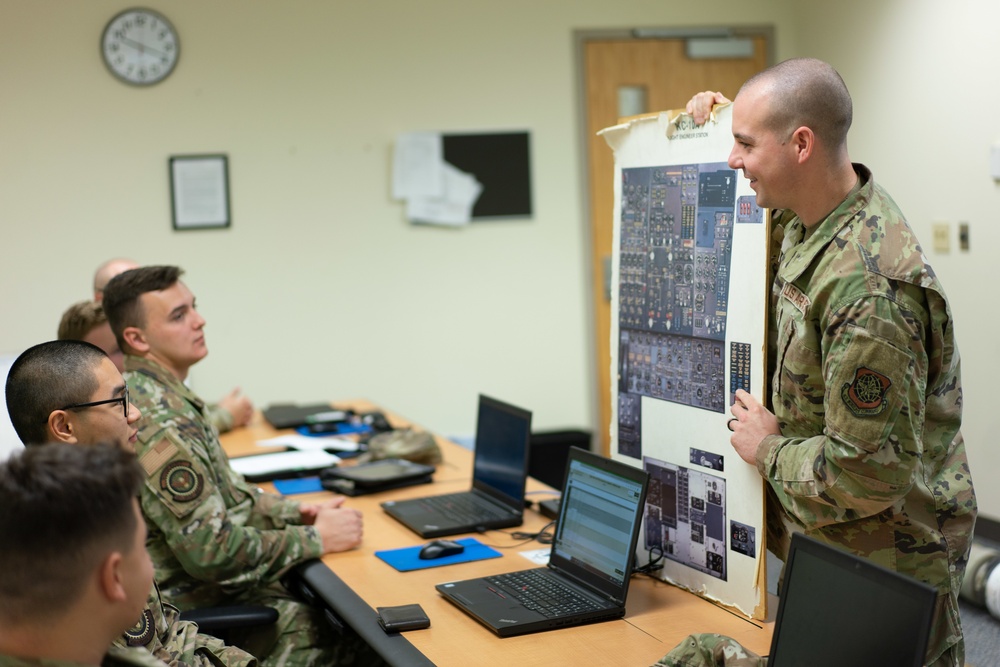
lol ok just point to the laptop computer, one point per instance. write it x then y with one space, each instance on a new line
840 609
587 577
500 470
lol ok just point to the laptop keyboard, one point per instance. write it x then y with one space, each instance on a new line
461 508
542 594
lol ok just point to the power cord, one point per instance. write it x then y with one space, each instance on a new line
543 536
655 555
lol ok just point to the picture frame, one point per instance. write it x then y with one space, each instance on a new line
199 191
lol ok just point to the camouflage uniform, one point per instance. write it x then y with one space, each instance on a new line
710 650
868 397
116 657
219 417
178 643
214 538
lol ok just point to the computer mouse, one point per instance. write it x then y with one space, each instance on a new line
440 549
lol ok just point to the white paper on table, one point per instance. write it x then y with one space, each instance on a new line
454 207
418 165
262 464
537 556
306 443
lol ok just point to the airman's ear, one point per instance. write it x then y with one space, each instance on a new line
62 427
135 338
111 579
803 140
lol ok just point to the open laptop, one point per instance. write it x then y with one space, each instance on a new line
587 577
839 609
500 470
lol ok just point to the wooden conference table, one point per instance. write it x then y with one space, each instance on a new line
658 615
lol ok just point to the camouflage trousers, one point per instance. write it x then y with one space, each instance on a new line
711 650
301 637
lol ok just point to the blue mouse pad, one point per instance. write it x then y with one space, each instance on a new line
408 558
288 487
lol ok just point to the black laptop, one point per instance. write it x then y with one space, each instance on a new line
590 564
500 470
839 609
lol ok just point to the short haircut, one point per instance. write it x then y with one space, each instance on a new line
809 92
65 508
48 377
121 296
80 319
108 270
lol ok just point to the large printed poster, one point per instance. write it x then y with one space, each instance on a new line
688 330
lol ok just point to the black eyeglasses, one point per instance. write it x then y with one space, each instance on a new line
123 399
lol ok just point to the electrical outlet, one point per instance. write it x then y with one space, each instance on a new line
942 237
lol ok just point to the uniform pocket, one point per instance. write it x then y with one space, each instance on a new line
868 387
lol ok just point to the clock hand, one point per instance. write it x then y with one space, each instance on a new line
141 47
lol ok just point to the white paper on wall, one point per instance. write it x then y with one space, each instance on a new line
689 295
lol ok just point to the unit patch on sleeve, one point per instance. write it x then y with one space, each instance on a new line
864 396
141 633
181 481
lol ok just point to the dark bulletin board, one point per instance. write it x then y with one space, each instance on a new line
501 162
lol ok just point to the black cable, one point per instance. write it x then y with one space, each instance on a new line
543 536
655 555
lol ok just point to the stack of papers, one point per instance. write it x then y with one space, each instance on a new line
311 443
261 467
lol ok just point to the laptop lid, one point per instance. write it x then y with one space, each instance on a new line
600 515
840 609
500 460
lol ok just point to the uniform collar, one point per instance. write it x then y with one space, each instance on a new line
798 254
153 370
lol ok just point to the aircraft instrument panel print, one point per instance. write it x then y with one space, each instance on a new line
675 254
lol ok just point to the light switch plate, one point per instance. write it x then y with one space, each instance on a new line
942 237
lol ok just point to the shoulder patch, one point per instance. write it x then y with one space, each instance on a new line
179 479
864 396
141 633
157 455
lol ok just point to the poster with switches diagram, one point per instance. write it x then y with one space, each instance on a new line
689 298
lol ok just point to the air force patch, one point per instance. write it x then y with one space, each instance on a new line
141 633
181 481
865 395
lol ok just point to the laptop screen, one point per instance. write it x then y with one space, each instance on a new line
599 518
829 595
503 433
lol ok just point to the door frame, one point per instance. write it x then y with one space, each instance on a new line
580 38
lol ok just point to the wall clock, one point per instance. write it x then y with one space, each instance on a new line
140 47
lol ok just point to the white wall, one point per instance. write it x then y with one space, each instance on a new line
321 289
924 80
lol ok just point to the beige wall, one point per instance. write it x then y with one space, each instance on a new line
924 82
321 288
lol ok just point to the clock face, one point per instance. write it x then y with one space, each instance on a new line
140 47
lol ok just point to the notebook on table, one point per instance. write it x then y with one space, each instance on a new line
840 609
587 577
500 471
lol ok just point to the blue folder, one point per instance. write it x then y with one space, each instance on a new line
408 558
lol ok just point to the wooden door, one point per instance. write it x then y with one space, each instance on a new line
659 71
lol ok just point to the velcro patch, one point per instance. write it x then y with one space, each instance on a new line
864 396
796 297
141 633
180 480
157 455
